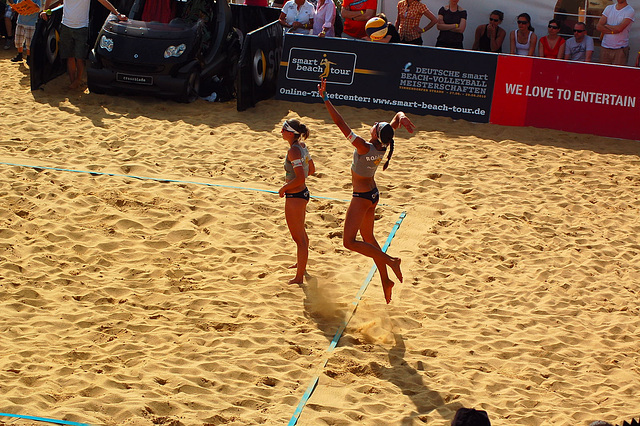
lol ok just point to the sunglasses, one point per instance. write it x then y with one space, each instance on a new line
579 31
522 22
494 20
553 27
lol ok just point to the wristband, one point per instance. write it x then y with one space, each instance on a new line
457 25
361 12
48 11
325 97
424 30
352 137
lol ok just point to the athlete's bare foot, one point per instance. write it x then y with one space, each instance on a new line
387 286
296 280
395 266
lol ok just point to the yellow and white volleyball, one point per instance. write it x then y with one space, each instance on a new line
376 28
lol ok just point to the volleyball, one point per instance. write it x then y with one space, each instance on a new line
376 28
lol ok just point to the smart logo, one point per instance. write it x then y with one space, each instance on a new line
312 65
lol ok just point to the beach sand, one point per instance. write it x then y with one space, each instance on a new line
129 301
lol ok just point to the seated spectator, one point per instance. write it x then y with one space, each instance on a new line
489 37
324 19
391 34
580 46
523 40
297 15
408 21
552 45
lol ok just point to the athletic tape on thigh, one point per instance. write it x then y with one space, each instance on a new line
343 326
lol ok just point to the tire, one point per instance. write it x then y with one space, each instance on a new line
191 88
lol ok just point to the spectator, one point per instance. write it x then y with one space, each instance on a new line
356 13
298 16
615 23
580 46
489 37
452 20
25 27
380 30
263 3
523 40
408 21
74 33
552 45
9 14
324 19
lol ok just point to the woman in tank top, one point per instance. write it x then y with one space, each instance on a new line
360 214
523 40
452 21
297 165
489 37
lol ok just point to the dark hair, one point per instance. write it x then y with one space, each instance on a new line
299 127
382 16
584 26
499 14
385 133
555 21
528 18
470 417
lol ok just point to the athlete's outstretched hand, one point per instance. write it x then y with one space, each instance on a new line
322 88
407 124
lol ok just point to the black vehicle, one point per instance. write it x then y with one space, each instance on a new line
193 54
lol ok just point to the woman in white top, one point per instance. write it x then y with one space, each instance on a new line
324 19
523 40
297 15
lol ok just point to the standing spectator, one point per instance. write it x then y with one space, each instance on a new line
324 19
615 23
523 40
408 21
74 34
298 16
452 21
9 14
552 45
489 37
25 27
580 46
356 13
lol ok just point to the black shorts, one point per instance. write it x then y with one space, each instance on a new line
304 194
372 195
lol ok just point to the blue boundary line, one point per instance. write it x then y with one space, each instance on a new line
43 419
158 179
343 326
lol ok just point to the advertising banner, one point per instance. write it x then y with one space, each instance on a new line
259 60
572 96
414 79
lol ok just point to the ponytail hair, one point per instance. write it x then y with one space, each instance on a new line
301 129
386 164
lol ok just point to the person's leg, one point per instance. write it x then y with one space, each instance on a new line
79 71
606 55
356 213
71 69
366 230
295 210
19 43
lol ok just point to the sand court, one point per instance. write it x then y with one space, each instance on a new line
130 301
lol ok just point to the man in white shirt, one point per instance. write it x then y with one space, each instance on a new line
580 46
615 23
74 33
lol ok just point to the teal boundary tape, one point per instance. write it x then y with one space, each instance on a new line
43 419
158 179
334 342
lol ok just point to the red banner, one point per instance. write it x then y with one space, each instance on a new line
572 96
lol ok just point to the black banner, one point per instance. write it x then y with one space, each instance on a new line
416 79
259 61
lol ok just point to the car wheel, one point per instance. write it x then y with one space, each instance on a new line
191 87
